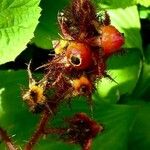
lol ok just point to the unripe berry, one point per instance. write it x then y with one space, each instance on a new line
79 55
112 40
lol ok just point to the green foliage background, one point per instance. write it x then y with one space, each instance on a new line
122 108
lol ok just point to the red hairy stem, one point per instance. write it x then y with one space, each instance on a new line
7 140
54 131
39 131
87 145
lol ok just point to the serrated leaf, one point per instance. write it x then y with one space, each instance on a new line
145 3
48 28
16 119
18 22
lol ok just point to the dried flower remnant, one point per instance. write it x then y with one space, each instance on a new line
82 130
35 95
82 86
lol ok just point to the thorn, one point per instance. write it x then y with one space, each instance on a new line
55 43
50 111
51 54
90 103
31 80
110 78
13 135
61 36
45 65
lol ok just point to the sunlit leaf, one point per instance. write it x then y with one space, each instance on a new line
18 20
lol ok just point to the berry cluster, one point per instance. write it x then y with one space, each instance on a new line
81 130
87 41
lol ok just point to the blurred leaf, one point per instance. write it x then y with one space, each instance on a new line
116 119
139 138
144 12
18 22
143 87
47 30
125 70
145 3
113 4
1 110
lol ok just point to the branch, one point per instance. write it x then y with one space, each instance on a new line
54 131
40 130
7 140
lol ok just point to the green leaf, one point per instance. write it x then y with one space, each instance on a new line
107 4
139 138
18 22
125 70
142 89
113 4
1 110
145 3
116 119
48 28
145 14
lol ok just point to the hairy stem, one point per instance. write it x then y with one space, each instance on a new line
7 140
54 131
87 145
39 131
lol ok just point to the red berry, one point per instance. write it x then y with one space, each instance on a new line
112 40
79 55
